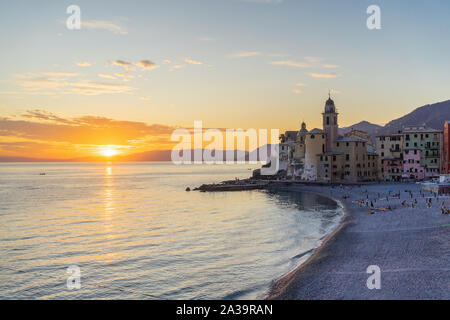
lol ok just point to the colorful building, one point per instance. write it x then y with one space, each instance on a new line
428 141
389 149
412 168
323 155
445 149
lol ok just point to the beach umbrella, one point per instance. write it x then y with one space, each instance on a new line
389 191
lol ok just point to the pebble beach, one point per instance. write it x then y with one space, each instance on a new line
397 227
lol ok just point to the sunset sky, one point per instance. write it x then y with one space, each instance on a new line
139 69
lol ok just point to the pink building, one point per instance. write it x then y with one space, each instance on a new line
411 165
392 169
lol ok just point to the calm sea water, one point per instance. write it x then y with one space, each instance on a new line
135 233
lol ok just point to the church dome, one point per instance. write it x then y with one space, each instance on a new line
329 105
303 130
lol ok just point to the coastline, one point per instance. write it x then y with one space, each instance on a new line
409 245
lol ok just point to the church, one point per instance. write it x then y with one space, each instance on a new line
325 156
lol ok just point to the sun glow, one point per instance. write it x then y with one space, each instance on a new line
108 151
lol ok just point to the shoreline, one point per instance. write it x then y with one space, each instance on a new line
410 245
282 284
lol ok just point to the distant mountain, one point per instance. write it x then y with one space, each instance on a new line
157 155
365 126
431 115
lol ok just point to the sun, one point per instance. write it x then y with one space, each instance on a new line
108 152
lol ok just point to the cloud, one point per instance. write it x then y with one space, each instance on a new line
313 59
124 75
124 64
51 83
83 64
324 75
245 54
146 65
300 85
31 75
144 98
290 63
104 25
43 134
330 66
97 88
191 61
296 91
106 76
130 66
177 66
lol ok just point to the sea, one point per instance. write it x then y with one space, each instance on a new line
132 231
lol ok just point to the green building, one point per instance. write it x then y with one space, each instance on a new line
428 141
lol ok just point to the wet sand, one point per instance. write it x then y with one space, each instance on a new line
410 245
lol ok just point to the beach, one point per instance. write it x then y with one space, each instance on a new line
410 246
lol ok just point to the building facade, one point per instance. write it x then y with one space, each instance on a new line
323 155
428 142
445 149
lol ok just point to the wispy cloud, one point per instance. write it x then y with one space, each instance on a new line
130 66
106 76
192 61
104 25
51 83
124 75
177 66
324 75
290 63
313 59
296 91
83 64
330 66
300 85
146 65
124 64
245 54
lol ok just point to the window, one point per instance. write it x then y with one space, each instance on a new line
337 144
407 144
382 146
346 144
328 120
347 157
334 158
382 154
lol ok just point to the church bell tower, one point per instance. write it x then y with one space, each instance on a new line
330 123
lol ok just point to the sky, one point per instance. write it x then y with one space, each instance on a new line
136 70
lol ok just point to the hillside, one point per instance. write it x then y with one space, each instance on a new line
431 115
371 128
